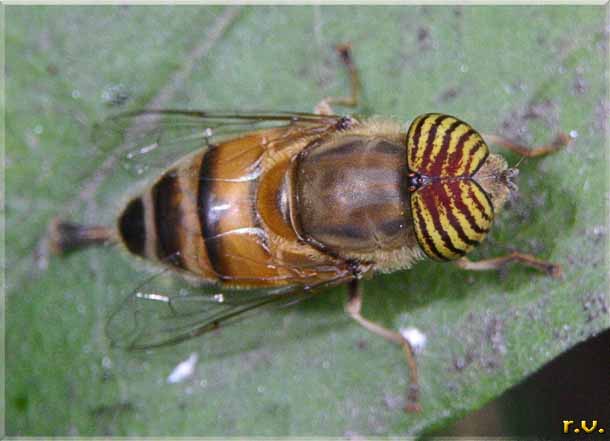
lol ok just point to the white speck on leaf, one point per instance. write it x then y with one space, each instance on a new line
415 337
106 363
183 370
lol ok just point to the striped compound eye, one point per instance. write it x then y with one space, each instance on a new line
451 212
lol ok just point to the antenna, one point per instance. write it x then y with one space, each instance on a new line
519 162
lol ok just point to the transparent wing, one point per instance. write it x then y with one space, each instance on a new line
156 138
150 317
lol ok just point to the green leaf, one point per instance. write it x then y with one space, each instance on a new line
526 72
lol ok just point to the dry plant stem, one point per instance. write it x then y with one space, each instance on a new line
561 140
553 270
353 307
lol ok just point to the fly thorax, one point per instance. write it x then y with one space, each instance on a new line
349 195
496 179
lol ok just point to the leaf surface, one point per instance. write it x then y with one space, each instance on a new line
526 72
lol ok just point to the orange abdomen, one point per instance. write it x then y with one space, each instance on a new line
221 214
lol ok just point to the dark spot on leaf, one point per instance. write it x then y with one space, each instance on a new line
22 402
545 110
602 115
495 335
595 306
116 95
424 40
112 410
422 34
255 358
448 95
515 125
393 402
462 362
579 85
52 69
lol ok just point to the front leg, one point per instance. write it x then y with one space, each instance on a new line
560 141
353 307
552 269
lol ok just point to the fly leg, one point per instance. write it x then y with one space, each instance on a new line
560 141
353 307
324 107
552 269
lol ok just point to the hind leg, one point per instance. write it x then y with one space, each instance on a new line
353 307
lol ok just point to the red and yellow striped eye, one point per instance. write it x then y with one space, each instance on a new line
443 146
450 218
451 212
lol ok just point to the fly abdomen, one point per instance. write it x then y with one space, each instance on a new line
166 200
221 216
162 224
233 239
132 228
150 225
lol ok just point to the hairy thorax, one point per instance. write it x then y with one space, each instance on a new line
351 198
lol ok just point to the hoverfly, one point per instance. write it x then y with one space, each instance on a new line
273 206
